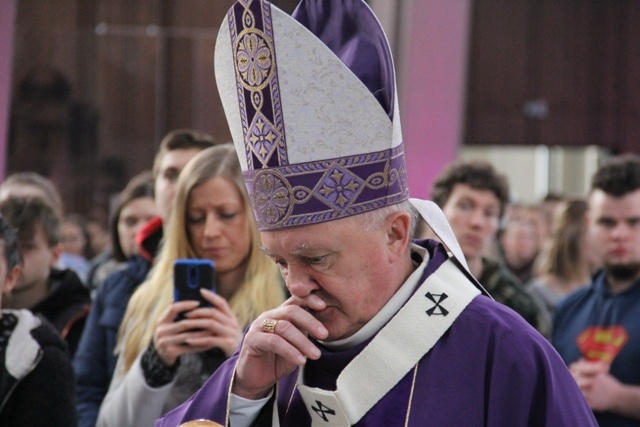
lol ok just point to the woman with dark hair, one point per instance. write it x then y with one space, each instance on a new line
76 245
135 207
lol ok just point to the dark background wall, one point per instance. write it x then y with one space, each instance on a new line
98 83
555 72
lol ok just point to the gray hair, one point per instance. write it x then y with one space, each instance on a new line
373 220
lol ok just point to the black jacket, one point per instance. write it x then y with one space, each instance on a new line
66 305
36 379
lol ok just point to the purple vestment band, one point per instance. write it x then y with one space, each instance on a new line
325 190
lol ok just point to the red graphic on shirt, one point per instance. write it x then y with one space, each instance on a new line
602 342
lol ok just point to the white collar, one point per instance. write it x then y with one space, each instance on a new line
388 311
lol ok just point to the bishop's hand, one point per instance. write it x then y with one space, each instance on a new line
276 343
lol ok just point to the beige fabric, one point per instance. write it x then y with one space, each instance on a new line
327 110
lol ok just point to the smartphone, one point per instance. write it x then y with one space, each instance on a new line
191 275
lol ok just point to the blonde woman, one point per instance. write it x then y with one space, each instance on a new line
162 361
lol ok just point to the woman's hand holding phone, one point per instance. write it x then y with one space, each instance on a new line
201 328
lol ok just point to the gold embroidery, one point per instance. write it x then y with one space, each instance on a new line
254 56
271 197
276 191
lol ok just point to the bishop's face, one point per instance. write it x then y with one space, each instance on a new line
341 263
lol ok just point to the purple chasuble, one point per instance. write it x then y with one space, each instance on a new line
491 368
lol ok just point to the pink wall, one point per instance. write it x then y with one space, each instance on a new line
7 26
433 84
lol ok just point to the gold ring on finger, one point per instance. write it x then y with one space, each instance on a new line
269 326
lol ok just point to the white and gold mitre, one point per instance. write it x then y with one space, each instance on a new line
311 103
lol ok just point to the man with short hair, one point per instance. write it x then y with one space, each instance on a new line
596 329
473 197
59 295
31 184
378 330
176 149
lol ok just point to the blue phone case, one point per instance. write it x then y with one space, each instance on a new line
189 276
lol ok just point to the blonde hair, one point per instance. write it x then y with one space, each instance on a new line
261 290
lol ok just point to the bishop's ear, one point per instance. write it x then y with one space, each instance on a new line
398 233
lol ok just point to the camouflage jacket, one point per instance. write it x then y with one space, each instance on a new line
506 289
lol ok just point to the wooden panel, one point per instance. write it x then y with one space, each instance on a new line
205 14
42 40
192 96
563 73
44 63
498 72
630 80
575 59
207 112
138 69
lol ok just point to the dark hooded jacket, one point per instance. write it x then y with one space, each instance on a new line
66 306
36 378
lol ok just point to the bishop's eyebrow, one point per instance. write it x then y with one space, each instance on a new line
266 251
300 248
295 252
